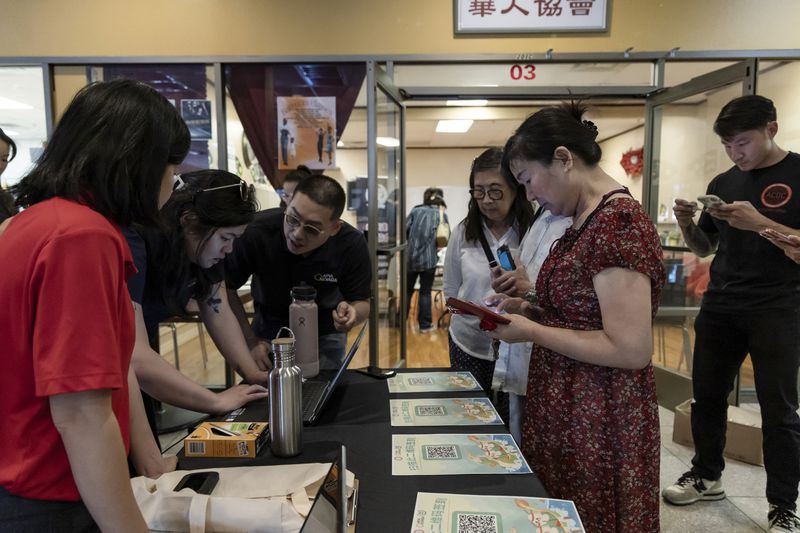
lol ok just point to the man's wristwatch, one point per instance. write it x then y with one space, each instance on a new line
530 295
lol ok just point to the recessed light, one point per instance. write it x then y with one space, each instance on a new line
453 126
8 103
468 103
340 144
389 142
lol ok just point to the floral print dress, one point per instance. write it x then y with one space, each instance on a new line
591 433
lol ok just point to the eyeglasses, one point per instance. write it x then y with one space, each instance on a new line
480 194
245 191
308 229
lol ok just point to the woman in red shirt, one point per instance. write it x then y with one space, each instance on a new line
66 318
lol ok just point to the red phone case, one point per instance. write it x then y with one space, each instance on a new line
489 319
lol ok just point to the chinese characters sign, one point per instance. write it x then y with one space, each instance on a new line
529 16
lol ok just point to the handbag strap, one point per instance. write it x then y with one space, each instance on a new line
197 513
487 250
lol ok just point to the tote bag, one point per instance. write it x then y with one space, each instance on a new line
442 230
260 499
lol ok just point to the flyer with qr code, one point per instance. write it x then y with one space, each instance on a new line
444 412
434 455
433 382
464 513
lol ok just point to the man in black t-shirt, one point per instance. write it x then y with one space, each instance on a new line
309 244
751 306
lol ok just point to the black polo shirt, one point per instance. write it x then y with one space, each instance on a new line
748 272
339 270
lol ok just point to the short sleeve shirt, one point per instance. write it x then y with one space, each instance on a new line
748 272
66 326
339 270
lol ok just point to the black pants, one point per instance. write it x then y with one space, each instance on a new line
23 515
723 341
483 371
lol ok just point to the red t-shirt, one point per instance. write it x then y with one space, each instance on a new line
66 325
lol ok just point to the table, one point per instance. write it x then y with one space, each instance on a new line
357 415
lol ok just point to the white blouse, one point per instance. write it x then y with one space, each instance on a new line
467 276
511 370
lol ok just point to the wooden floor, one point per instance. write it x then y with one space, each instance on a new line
424 350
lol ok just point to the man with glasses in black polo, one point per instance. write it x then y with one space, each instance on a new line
308 243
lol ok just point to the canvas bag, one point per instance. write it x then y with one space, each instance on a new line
266 499
442 230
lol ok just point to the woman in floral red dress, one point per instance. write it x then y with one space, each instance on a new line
591 429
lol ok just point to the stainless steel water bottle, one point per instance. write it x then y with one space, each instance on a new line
285 399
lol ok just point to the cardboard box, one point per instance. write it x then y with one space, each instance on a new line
743 438
226 439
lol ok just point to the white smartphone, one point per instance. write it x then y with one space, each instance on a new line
710 200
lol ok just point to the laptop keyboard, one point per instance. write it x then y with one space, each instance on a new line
312 390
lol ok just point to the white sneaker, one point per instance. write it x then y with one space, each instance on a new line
691 488
783 519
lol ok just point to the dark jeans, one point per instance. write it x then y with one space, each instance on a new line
723 340
23 515
424 313
483 371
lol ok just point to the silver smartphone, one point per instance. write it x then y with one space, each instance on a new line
710 200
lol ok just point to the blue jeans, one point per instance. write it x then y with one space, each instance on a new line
331 350
424 313
722 342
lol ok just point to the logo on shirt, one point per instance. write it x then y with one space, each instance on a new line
326 278
776 195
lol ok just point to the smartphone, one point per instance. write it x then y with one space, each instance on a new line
489 319
778 236
710 200
200 482
506 261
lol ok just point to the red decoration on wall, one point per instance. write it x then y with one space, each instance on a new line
633 162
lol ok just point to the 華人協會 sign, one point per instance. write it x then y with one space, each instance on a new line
530 16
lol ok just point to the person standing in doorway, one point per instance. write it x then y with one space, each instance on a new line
421 225
285 134
752 304
320 140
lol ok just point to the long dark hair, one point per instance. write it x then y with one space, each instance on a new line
109 152
521 212
434 196
12 147
540 134
199 212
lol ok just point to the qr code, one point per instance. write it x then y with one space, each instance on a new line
420 381
444 452
431 410
476 523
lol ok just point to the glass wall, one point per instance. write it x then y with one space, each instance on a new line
22 117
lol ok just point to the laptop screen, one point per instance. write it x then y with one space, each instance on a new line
328 513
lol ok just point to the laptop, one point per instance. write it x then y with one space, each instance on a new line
317 390
328 513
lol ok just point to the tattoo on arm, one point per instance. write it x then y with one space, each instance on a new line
214 301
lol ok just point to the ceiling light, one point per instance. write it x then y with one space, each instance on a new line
453 126
12 133
8 103
468 103
389 142
340 144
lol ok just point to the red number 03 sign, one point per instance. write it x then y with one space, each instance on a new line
522 72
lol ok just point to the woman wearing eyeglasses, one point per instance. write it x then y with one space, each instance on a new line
207 211
70 400
499 215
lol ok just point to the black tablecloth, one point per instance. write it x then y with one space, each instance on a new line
357 415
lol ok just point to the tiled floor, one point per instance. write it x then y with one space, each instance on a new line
745 508
743 511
